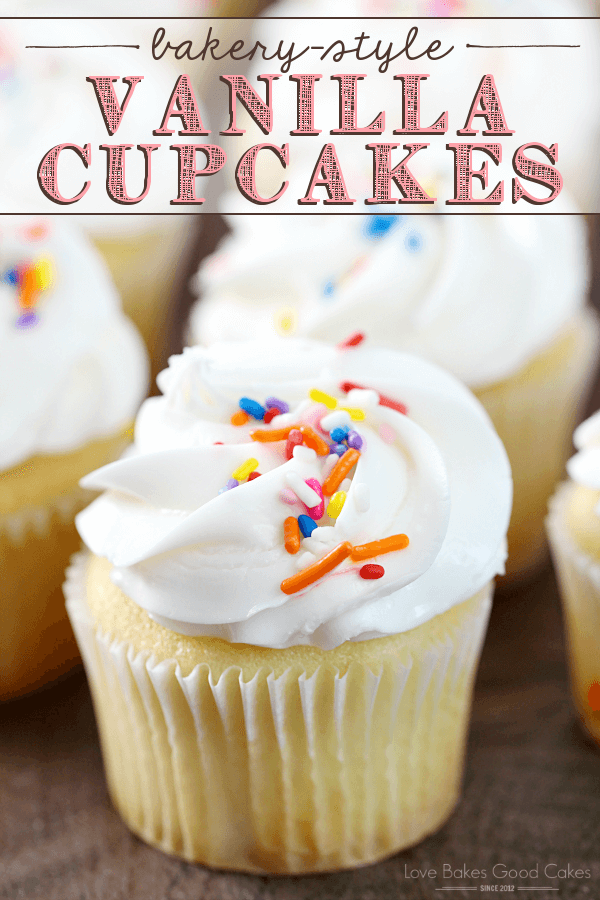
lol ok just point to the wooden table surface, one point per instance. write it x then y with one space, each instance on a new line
531 794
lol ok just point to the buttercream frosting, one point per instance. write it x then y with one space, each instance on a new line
584 467
45 100
72 366
204 556
479 297
534 114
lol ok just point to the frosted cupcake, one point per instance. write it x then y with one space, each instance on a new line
45 100
574 533
73 372
460 71
497 300
283 607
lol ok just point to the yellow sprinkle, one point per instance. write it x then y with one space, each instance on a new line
44 273
357 415
336 504
321 397
285 320
242 472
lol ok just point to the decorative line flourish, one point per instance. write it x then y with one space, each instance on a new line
518 46
77 46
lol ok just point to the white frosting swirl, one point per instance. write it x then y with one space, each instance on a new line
204 562
584 467
479 296
79 371
453 81
45 100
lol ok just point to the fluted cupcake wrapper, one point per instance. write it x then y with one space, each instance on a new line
289 774
541 403
18 526
579 580
36 640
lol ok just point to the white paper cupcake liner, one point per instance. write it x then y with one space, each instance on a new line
285 774
579 580
38 519
547 404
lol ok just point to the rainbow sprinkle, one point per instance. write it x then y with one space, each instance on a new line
30 281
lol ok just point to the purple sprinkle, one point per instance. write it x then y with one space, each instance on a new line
231 484
281 405
27 320
354 440
340 449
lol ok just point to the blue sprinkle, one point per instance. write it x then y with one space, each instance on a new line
281 405
223 490
378 226
231 484
251 407
340 433
354 440
340 449
11 276
413 242
306 525
329 289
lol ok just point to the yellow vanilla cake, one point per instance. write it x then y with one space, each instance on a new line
73 372
574 532
499 301
284 601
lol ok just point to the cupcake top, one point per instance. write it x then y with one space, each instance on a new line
46 100
479 296
584 467
452 83
290 492
72 367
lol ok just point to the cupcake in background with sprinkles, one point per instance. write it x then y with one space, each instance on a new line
499 301
282 607
574 532
72 373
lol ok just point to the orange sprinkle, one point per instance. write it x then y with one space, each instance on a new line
312 440
594 697
240 417
291 534
276 434
29 289
339 471
376 548
316 570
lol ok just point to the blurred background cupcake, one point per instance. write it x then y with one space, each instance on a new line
73 371
451 86
574 532
500 301
45 100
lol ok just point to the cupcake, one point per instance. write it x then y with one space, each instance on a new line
427 285
451 86
46 100
284 603
73 372
574 533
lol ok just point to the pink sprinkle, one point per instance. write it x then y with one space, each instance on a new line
295 438
218 442
316 512
287 496
314 415
387 433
